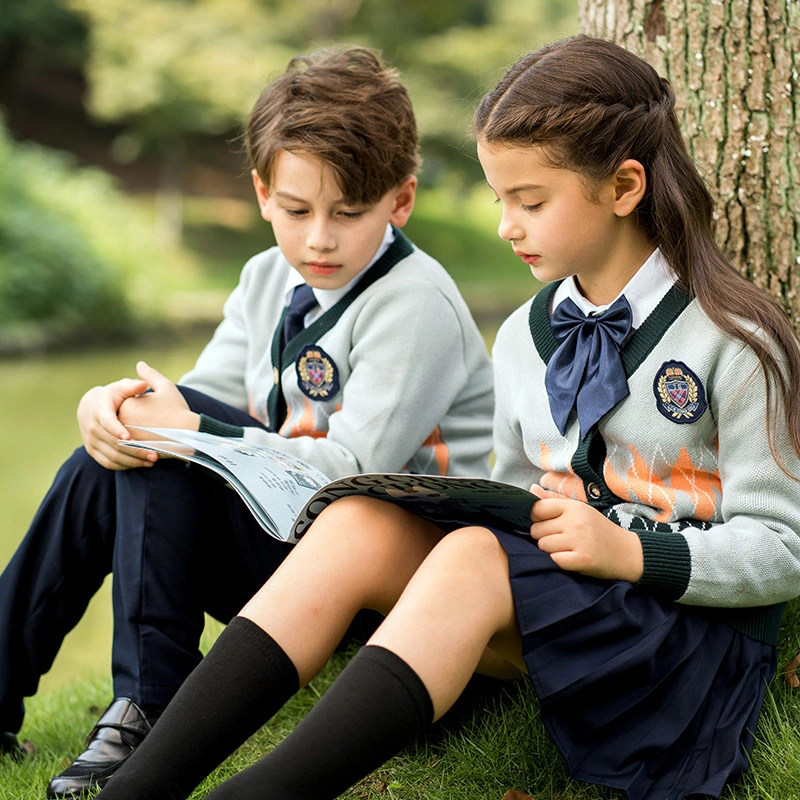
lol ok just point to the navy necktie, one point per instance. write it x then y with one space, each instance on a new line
586 371
302 302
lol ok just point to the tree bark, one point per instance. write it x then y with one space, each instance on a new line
735 68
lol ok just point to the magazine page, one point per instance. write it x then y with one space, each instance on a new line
448 501
275 486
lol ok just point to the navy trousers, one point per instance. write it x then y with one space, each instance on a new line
179 543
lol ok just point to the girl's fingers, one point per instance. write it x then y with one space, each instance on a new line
555 543
543 493
546 509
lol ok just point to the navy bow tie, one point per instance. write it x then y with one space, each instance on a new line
302 302
586 371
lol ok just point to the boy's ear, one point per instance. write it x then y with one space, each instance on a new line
262 195
404 194
630 183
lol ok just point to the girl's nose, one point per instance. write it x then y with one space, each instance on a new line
508 230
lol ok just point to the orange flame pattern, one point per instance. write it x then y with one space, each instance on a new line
566 483
702 488
441 453
305 425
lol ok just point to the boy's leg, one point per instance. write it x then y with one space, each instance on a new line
311 599
47 585
184 544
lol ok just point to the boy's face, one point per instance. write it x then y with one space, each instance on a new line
327 240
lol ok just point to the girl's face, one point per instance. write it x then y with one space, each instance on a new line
559 226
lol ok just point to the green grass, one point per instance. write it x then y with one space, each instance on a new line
492 741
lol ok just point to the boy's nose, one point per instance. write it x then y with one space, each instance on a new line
320 237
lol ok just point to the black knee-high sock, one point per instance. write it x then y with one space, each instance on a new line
245 678
377 706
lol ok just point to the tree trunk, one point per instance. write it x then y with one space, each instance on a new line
734 67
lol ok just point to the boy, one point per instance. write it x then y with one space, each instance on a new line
344 345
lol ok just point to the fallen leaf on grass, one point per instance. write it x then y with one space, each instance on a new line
513 794
790 673
375 786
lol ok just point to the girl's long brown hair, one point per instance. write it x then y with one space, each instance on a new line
589 105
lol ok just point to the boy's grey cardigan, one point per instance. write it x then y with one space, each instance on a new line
717 517
403 380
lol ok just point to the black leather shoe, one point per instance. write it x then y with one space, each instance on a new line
116 735
11 746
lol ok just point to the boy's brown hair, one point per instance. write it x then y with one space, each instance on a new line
346 107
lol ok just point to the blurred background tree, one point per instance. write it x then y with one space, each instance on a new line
155 94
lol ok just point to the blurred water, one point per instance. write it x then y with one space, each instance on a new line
38 399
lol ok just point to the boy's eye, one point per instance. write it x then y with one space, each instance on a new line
351 214
295 212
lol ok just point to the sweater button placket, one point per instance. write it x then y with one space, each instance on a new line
593 491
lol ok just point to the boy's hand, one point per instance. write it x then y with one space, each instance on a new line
163 407
100 427
580 539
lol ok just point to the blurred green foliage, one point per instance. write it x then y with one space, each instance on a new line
166 68
75 253
49 269
161 74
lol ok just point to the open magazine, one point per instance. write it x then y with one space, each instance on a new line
286 494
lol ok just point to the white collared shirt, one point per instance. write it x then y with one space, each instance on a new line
328 298
643 291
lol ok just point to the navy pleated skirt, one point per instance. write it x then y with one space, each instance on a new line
639 694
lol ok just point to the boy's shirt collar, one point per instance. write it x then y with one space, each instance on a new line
328 298
643 291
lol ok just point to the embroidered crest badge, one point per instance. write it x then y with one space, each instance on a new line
317 374
680 395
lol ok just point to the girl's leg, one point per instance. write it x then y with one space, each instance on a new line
359 554
414 667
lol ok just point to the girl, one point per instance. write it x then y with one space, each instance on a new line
650 396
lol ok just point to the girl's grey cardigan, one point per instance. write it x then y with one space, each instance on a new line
691 473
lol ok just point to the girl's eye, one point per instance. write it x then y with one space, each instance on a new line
534 207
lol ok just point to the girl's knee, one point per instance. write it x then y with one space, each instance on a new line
372 531
471 549
355 510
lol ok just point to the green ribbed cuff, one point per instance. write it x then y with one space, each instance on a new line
667 563
211 425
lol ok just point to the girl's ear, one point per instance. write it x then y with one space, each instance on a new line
404 194
630 183
262 195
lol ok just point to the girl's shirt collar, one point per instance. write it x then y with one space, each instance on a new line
643 291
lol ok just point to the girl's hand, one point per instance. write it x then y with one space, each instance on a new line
580 539
163 407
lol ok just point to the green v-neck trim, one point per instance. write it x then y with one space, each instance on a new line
636 348
588 458
399 249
